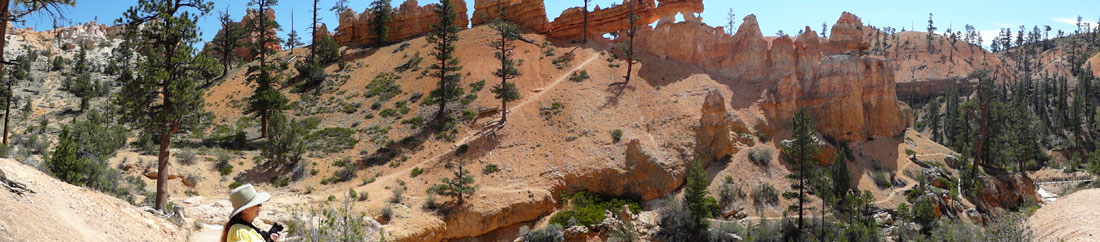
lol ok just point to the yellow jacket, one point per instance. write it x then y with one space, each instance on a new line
242 233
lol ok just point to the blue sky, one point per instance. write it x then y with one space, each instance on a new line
773 15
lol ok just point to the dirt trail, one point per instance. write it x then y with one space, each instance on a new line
517 106
59 211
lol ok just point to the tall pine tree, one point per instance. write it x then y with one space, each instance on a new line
162 99
799 154
266 101
505 91
444 35
383 15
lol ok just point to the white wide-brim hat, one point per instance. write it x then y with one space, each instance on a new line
244 197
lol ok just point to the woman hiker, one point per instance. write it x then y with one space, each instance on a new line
246 207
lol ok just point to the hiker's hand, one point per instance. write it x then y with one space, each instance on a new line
276 236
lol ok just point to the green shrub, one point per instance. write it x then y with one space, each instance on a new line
332 139
490 169
398 195
765 194
677 223
416 171
616 135
549 112
235 184
550 233
880 179
187 157
285 145
384 87
58 63
412 64
588 209
760 156
579 76
330 221
909 152
346 173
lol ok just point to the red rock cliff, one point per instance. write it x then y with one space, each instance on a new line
530 14
409 21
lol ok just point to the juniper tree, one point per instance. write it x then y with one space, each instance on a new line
505 91
799 153
383 14
444 35
162 99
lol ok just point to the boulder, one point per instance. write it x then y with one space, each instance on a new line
712 140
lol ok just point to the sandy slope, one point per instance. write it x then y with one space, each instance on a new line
62 212
1075 217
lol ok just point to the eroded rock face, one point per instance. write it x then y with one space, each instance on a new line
643 175
712 140
749 60
409 21
530 14
847 33
851 97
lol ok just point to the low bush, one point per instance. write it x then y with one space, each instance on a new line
760 156
765 194
588 209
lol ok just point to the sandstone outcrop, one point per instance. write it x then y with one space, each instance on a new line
643 175
409 21
530 14
851 97
712 139
570 24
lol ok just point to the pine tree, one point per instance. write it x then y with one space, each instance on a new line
731 22
628 47
458 187
162 99
292 39
932 119
839 175
698 203
265 101
505 91
227 40
931 32
383 15
584 29
444 35
799 154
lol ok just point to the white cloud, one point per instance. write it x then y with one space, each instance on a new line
1065 20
